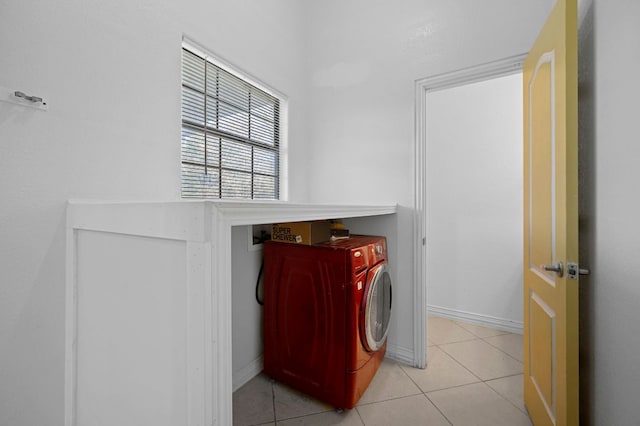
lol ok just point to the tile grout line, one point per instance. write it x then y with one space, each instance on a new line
484 339
359 416
503 397
460 363
503 377
273 400
495 347
425 394
399 365
409 377
450 387
454 387
437 408
286 388
302 416
481 380
456 341
390 399
509 355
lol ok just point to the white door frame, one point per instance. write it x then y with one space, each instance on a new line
474 74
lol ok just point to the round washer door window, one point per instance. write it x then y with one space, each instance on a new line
376 309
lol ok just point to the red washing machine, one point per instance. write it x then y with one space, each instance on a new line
326 316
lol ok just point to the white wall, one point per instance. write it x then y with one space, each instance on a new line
247 313
366 57
110 72
474 200
609 63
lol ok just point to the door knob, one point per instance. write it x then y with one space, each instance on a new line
557 268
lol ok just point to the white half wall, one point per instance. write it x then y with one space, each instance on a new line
474 199
131 330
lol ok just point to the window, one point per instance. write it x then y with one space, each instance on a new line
230 134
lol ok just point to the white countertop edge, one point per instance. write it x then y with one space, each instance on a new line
192 219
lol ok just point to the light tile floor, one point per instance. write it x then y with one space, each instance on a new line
473 377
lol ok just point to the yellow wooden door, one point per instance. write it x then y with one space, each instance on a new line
551 221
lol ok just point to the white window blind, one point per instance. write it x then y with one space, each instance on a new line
230 134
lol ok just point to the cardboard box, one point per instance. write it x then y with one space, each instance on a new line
301 232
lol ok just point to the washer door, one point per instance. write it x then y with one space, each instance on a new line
376 308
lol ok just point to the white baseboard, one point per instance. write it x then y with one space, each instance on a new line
400 354
247 373
480 319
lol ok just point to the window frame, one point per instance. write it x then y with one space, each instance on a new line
281 162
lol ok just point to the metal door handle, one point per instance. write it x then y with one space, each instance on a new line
573 270
557 268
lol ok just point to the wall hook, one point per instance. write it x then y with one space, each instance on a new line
35 99
17 97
